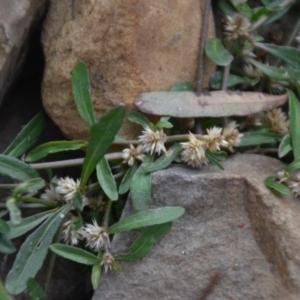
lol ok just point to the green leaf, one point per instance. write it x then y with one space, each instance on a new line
29 186
182 86
163 124
233 80
33 252
54 147
27 136
294 119
35 292
6 246
215 157
225 8
252 138
16 169
4 227
102 136
4 295
77 200
140 190
273 72
260 12
291 55
271 4
14 211
293 166
245 9
147 218
285 146
106 179
77 223
137 118
278 187
164 161
75 254
142 245
96 275
82 94
216 51
127 179
27 224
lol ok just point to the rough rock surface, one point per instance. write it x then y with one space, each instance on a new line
236 240
130 47
17 19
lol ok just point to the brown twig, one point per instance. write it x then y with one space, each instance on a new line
214 280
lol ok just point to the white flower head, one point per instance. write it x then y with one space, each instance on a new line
153 141
283 176
214 139
131 154
67 187
96 237
51 194
109 262
277 120
294 184
69 235
232 135
237 26
194 152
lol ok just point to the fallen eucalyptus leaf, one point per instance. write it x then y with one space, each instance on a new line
213 104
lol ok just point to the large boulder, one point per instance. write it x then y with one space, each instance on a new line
236 240
18 19
130 47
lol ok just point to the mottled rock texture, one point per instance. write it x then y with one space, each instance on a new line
130 47
236 240
18 18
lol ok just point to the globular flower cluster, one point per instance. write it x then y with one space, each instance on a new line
153 141
67 187
292 180
131 154
237 26
69 235
194 150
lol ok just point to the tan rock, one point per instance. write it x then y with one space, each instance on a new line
130 47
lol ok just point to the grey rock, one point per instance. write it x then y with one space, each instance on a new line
17 20
236 240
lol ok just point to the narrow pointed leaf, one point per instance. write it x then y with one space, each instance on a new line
147 218
216 157
102 136
27 136
35 291
278 187
4 227
29 186
163 124
16 169
140 190
273 72
293 166
4 295
127 179
285 146
164 161
96 275
14 211
33 252
216 51
212 104
6 246
182 86
77 201
137 118
53 147
144 242
75 254
294 119
82 94
27 224
291 55
106 179
252 138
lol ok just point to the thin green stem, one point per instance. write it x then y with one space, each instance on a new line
226 71
48 203
107 213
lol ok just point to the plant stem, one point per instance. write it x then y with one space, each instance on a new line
36 200
107 213
226 71
203 38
